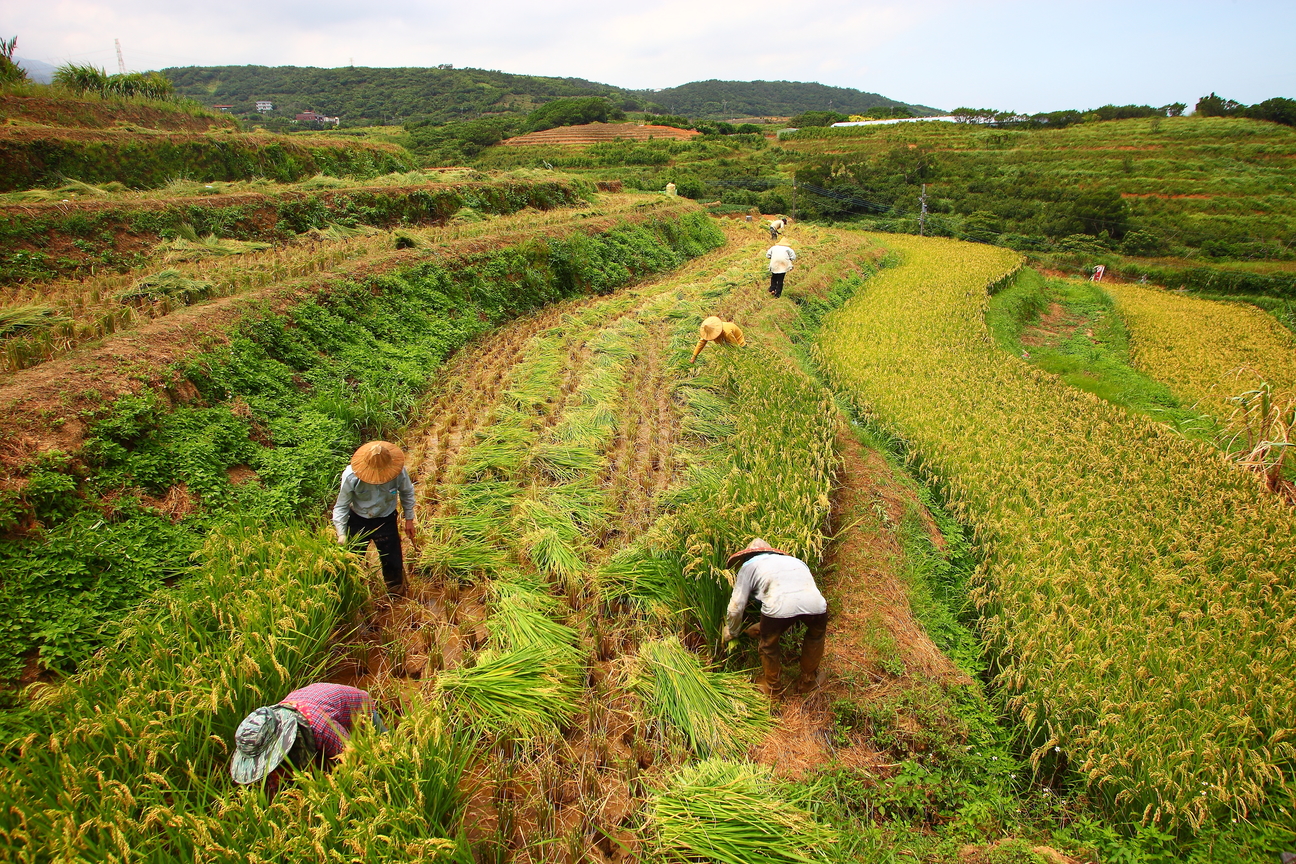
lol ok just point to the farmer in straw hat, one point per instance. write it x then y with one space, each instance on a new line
780 256
720 332
366 505
310 726
788 595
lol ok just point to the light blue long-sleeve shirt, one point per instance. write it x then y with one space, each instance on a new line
371 500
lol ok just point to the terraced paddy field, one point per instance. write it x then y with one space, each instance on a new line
1081 656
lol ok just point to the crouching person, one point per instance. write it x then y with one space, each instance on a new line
788 595
311 726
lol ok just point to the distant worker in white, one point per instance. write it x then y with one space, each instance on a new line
776 227
366 506
788 595
780 257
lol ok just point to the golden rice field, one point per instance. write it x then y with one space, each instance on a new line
1204 350
1136 589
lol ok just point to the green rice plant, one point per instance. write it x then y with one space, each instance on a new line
28 317
516 694
188 666
169 285
718 713
733 813
1132 583
567 461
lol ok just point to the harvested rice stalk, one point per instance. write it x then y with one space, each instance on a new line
726 812
516 694
32 316
167 285
521 620
717 712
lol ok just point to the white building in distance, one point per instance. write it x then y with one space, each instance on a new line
264 105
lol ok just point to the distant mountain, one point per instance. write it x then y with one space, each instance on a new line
37 70
723 99
363 94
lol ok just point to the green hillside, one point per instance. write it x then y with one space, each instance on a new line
724 99
363 96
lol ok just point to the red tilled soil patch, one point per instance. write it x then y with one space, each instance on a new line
594 133
1054 327
1163 196
100 114
866 594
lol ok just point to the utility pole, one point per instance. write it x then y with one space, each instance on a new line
922 214
121 63
794 216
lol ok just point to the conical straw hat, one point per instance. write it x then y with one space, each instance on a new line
733 334
754 548
377 461
711 328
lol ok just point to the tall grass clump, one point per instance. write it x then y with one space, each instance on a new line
733 813
512 695
83 79
1134 586
718 713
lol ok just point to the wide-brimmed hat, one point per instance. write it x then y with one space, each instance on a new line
756 547
711 328
263 739
377 461
733 334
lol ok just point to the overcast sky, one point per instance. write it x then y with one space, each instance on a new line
1007 54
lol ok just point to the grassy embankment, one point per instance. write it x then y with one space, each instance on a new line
258 404
1124 568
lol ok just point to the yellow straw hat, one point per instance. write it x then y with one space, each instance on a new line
711 328
377 461
733 334
756 547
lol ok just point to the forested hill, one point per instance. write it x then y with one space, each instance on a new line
360 94
722 99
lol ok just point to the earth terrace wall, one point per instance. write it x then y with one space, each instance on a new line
91 113
41 241
118 460
33 156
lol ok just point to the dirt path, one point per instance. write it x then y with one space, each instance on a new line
872 634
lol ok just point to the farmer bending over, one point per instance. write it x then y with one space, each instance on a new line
780 256
787 594
310 726
366 506
776 227
720 332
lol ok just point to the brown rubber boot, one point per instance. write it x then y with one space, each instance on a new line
773 669
811 655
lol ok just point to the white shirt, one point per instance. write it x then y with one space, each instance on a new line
782 584
777 225
781 258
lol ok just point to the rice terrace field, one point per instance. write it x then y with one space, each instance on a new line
1054 518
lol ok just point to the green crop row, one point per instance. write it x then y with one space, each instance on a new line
96 234
264 425
143 781
148 161
1134 588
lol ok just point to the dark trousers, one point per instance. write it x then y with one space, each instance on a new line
772 630
776 284
386 537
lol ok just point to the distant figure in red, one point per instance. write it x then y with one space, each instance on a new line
309 726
